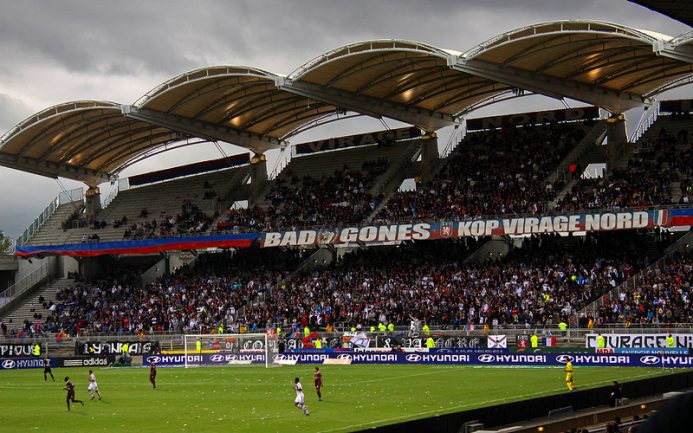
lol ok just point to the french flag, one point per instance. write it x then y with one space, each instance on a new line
550 341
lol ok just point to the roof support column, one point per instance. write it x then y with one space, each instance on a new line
429 156
258 177
617 138
92 202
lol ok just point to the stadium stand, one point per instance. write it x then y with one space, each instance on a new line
180 206
636 180
188 301
532 285
29 317
545 280
303 195
509 170
328 189
502 171
660 294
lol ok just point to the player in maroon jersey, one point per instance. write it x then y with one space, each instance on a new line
152 374
70 388
317 381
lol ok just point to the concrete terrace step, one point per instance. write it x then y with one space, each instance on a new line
15 318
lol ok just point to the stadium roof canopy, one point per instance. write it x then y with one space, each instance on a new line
607 65
603 64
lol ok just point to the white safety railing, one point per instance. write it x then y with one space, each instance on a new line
70 196
646 120
455 139
285 154
28 282
112 194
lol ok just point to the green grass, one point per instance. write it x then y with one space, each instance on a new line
254 399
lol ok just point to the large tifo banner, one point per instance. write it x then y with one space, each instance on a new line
590 222
586 222
480 358
644 341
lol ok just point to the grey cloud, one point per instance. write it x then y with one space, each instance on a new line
173 36
11 111
131 42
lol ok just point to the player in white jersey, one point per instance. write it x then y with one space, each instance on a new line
93 386
299 397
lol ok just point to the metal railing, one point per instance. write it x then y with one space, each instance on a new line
284 158
28 282
408 155
593 138
455 139
64 197
631 284
112 194
648 118
574 337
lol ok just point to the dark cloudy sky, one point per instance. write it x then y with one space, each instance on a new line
57 51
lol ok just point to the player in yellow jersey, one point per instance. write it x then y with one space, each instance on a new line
569 375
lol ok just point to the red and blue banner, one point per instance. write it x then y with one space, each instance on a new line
147 246
383 234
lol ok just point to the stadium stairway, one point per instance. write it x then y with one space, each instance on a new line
399 170
666 123
22 312
680 244
51 232
585 152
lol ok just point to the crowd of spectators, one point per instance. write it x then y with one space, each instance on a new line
494 172
646 181
191 220
193 299
660 294
544 282
304 202
497 172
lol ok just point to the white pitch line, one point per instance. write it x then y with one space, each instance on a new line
399 377
482 403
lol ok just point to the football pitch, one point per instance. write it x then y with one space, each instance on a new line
255 399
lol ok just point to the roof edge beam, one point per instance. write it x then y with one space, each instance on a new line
53 169
611 100
255 142
369 106
682 53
